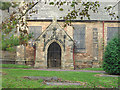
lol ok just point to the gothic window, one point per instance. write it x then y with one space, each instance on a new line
36 30
79 37
95 43
111 32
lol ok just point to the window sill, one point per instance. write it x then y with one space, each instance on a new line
80 51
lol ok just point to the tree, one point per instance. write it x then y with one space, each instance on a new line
4 5
111 59
10 24
17 18
81 9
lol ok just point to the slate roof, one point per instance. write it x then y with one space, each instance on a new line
46 11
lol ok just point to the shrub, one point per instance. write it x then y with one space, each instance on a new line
111 60
9 43
12 49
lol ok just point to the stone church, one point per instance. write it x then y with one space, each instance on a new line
80 45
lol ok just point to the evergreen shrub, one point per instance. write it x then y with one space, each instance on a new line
111 57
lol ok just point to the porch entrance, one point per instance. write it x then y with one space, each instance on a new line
54 56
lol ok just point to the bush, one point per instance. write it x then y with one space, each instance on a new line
12 49
111 60
9 43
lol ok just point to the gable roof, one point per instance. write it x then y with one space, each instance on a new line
53 24
48 12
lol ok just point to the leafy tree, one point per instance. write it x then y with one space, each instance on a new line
80 9
17 18
9 25
9 43
111 59
7 5
4 5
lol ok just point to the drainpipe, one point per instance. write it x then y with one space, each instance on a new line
25 54
103 40
103 35
34 53
73 57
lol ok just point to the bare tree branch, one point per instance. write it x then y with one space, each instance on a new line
28 10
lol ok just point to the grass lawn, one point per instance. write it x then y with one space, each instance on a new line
13 79
14 66
93 69
24 66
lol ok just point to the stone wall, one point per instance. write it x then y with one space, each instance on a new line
54 33
25 55
29 55
92 55
36 23
8 57
20 55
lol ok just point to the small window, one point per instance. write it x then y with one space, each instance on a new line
111 32
79 38
36 30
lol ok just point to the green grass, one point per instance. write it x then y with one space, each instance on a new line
13 79
93 69
24 66
14 66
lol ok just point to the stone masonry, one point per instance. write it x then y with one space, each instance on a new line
54 31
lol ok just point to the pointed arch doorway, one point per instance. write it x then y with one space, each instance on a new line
54 56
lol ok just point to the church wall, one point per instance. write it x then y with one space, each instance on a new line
40 59
69 54
48 38
8 57
108 24
86 58
37 23
25 55
29 55
20 52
